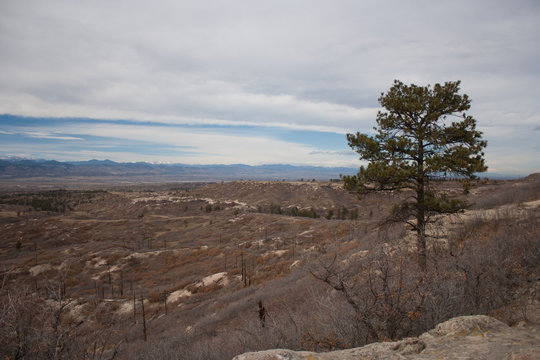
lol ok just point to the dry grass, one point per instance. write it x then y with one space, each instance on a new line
487 263
508 192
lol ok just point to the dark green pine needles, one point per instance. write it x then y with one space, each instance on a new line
423 133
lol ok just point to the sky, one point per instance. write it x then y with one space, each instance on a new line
256 82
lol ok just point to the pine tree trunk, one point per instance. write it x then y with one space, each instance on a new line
421 249
421 211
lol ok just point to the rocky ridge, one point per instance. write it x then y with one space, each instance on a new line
465 337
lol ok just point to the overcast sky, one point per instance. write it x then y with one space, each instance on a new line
256 82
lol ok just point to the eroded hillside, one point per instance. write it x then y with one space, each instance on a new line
79 267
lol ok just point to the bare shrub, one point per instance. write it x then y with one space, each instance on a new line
499 263
493 264
384 293
155 296
43 328
510 193
490 267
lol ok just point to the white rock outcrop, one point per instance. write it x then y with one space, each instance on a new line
466 337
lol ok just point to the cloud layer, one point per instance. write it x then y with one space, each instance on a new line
313 66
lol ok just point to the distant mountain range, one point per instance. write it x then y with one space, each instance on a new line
16 168
110 171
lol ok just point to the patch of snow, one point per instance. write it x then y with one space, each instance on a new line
218 278
258 242
126 307
76 311
239 204
178 294
100 262
38 269
241 217
208 200
533 204
278 253
142 255
295 263
161 198
111 269
362 253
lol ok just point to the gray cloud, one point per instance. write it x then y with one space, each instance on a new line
302 64
334 152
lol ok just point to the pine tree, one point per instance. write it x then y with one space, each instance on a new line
415 141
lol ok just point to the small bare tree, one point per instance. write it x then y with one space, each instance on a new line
385 295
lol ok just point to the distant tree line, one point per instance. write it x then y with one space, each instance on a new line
341 214
52 201
293 211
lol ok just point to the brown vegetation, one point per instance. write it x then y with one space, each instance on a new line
203 258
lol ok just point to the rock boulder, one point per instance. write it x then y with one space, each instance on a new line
465 337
